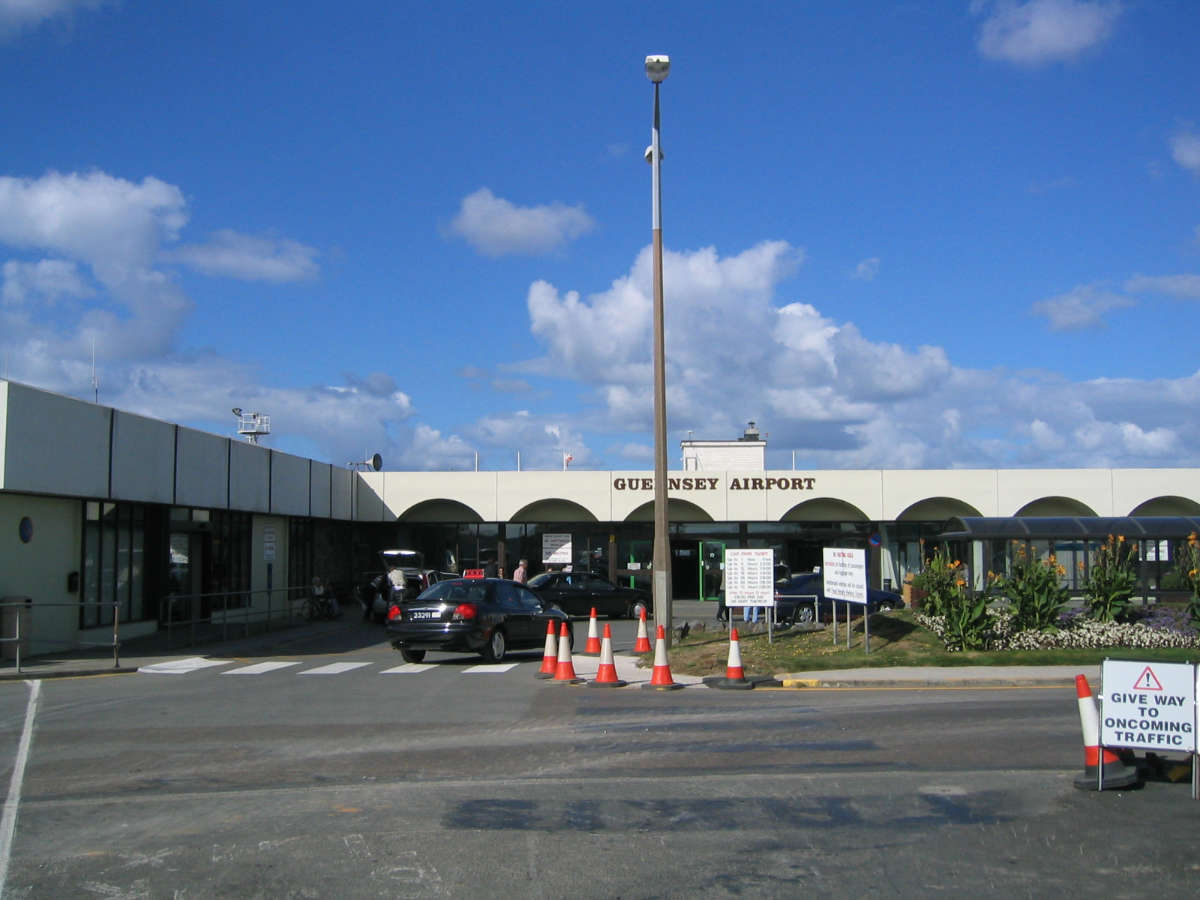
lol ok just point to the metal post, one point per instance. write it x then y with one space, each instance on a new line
866 630
116 635
18 618
662 546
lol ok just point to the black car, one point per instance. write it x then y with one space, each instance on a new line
577 593
795 597
489 616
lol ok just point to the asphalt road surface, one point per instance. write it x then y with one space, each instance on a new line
324 779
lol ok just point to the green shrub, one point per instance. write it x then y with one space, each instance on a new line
1032 588
1112 580
963 617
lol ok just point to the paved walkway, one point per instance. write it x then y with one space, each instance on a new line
349 634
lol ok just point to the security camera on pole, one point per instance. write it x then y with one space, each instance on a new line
657 68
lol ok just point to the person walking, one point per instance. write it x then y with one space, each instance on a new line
522 572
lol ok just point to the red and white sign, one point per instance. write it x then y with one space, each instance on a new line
1149 706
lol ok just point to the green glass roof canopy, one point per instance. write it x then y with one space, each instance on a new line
979 528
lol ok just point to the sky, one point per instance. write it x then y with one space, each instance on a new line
950 233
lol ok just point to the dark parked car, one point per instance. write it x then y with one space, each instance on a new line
795 595
577 592
489 616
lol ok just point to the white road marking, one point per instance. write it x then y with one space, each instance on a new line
407 669
182 666
334 668
489 670
260 668
8 822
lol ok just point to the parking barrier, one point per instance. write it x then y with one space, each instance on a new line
642 644
735 676
550 655
660 679
592 648
1096 758
564 673
606 675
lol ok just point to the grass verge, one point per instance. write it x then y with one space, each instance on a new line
896 640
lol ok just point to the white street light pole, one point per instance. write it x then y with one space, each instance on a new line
657 68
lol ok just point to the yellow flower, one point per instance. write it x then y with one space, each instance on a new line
1120 539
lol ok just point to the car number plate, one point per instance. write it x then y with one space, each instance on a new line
423 614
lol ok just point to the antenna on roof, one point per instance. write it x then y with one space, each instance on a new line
95 377
252 425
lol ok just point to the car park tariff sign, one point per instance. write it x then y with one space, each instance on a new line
750 577
1150 706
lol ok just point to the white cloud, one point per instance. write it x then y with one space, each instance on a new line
1082 308
249 258
18 14
1185 150
47 279
867 269
1042 31
497 227
1185 286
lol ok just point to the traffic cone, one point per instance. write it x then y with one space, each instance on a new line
592 648
642 644
661 679
735 675
606 675
550 655
564 672
1115 773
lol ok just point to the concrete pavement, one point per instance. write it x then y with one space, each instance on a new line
348 634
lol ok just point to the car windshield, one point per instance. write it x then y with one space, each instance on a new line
538 580
457 591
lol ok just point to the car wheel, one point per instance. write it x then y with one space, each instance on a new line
636 609
496 647
884 606
803 615
411 656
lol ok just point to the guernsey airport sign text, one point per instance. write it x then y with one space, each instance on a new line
783 483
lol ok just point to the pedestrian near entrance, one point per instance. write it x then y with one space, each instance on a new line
750 614
522 572
491 569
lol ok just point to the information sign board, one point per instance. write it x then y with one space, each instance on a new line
845 574
556 549
1149 706
749 577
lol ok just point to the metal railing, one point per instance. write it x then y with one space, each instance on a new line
234 609
23 608
200 617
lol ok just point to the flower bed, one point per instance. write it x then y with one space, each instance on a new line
1161 628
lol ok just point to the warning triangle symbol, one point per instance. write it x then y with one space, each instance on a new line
1147 681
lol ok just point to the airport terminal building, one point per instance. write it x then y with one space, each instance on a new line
105 514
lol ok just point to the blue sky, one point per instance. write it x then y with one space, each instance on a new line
923 234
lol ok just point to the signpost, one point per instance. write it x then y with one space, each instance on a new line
556 549
1149 706
750 581
845 574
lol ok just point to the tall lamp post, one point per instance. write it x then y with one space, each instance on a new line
657 68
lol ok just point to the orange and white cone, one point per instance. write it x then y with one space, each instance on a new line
592 648
642 644
550 655
1116 773
661 679
606 675
564 672
735 676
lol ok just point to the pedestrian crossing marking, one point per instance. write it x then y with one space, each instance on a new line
494 669
182 666
260 668
408 669
334 668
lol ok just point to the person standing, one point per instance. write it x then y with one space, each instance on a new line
522 572
491 569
